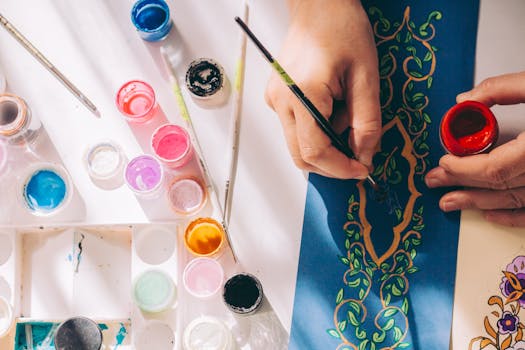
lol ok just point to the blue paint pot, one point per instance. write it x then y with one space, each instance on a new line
152 19
46 189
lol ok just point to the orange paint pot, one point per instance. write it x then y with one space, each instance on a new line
204 237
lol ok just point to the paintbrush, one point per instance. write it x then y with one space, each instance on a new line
49 66
236 118
323 123
183 109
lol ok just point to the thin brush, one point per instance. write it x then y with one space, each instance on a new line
236 119
183 109
323 123
49 66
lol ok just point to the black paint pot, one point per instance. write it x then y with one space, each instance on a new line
78 333
243 294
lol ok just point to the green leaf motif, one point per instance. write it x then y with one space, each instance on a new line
396 291
361 294
362 346
390 323
354 284
387 299
352 319
390 312
429 82
333 333
415 74
345 260
404 306
428 57
360 333
339 297
355 306
397 333
342 326
379 338
403 345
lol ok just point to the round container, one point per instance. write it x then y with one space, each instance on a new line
204 237
207 333
3 158
155 244
46 189
17 126
172 145
152 19
136 101
468 128
207 83
105 162
186 195
243 294
203 277
144 176
6 316
154 291
155 335
78 333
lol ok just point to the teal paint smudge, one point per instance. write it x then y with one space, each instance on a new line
121 335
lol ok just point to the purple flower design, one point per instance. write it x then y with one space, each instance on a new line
508 323
517 268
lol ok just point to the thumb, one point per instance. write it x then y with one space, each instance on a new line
502 90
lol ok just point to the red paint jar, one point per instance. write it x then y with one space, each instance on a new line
468 128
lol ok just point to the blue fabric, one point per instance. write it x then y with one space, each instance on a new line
391 293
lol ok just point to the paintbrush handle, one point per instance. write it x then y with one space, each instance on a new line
48 65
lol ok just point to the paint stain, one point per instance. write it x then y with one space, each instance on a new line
243 293
121 335
204 236
80 250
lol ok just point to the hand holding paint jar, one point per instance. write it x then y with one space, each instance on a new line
494 182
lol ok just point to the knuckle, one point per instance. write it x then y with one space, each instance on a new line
498 176
300 163
514 199
488 84
312 155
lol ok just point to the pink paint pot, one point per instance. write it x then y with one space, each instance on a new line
203 277
186 195
172 145
144 176
136 101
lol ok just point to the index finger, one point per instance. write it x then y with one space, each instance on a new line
502 90
499 166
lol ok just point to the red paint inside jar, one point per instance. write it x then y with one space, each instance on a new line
468 128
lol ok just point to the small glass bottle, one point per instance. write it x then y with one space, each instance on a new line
17 125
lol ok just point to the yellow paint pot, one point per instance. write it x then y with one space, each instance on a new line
204 237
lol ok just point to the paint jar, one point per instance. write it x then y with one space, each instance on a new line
155 335
171 144
204 237
46 189
17 126
154 291
3 159
152 19
186 195
136 101
78 333
105 162
207 333
6 316
207 83
203 277
144 176
243 294
468 128
155 244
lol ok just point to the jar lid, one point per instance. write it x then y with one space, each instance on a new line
206 333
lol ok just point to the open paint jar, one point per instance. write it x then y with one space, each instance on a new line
46 189
154 291
186 195
208 333
144 176
6 316
155 244
17 126
204 237
78 333
243 294
105 162
207 83
203 277
468 128
152 19
136 101
172 145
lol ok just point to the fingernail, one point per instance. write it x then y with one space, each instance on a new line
463 96
449 205
432 181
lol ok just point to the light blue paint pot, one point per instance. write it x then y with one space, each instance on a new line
46 190
152 19
154 291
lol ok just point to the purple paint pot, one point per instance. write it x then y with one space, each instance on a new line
144 176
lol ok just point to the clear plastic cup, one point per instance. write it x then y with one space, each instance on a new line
145 176
186 195
154 291
171 144
18 127
206 333
203 277
136 101
105 162
46 189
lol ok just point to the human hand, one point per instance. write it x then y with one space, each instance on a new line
330 53
494 182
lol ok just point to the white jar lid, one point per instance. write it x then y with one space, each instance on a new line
207 333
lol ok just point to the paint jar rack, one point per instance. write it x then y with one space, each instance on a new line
261 330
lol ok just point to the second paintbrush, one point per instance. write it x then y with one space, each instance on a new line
323 123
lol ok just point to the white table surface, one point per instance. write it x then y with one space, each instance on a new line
95 45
